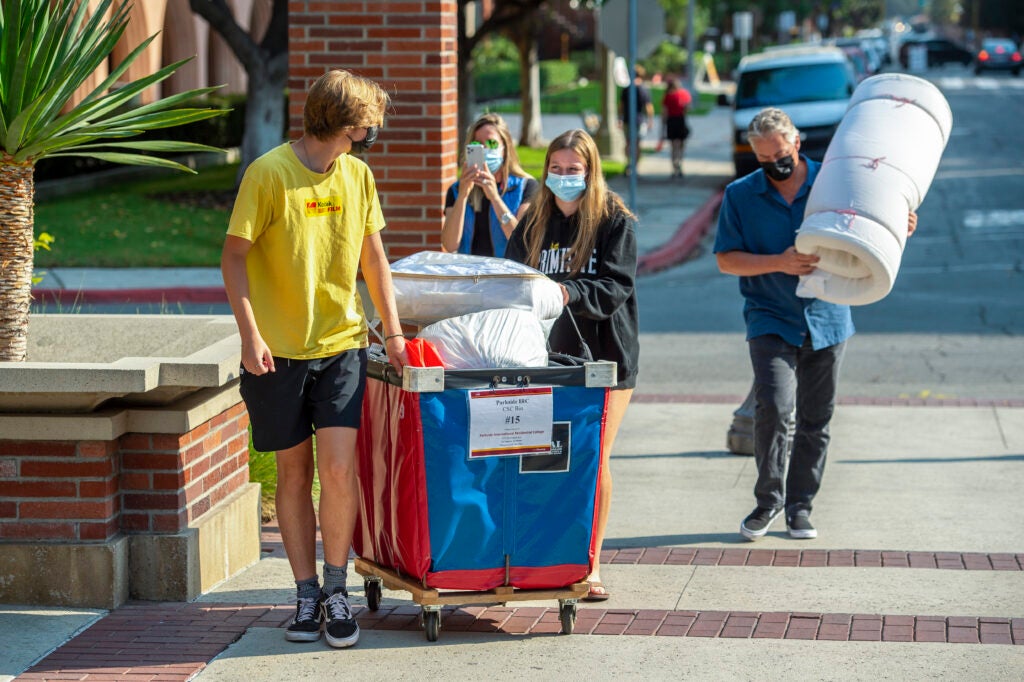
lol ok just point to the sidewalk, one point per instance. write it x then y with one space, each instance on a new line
918 572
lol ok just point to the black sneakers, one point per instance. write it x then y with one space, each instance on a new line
800 526
757 523
309 617
342 630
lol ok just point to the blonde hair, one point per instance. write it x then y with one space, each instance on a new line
341 99
509 167
597 203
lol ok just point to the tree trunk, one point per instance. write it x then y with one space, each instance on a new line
467 96
16 254
264 111
529 85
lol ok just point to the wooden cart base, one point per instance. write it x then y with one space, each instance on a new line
375 577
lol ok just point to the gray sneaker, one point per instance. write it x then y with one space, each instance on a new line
758 521
309 618
342 629
800 526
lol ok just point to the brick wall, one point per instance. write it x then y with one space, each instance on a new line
139 483
169 481
409 47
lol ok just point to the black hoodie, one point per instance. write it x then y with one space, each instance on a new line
602 296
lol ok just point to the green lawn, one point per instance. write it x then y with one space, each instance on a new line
123 227
588 98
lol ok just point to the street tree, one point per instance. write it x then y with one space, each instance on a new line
513 18
266 67
48 49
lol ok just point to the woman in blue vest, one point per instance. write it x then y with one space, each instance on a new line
483 207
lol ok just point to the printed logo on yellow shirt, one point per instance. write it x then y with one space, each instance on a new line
323 206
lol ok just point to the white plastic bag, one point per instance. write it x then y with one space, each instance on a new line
432 286
503 337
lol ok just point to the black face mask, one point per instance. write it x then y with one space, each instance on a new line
364 144
779 169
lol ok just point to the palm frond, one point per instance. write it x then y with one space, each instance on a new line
48 49
132 160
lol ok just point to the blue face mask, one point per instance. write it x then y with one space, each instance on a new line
494 158
566 187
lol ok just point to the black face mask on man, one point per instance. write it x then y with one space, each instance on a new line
361 146
779 169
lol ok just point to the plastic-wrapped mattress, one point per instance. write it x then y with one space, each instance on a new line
877 169
432 286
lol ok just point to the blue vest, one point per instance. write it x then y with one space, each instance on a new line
513 198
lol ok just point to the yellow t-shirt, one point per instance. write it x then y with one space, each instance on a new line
307 233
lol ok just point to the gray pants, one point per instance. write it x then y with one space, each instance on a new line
788 377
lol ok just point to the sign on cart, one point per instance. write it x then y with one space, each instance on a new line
509 422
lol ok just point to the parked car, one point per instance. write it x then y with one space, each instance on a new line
998 54
812 84
853 46
859 60
939 50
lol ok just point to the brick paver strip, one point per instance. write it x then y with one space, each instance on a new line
813 558
843 400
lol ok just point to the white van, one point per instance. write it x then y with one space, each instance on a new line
810 83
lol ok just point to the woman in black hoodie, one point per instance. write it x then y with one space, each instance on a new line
580 234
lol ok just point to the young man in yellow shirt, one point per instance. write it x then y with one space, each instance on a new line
307 216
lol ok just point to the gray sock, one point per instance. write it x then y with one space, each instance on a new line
308 589
334 578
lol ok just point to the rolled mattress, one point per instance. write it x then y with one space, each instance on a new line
877 169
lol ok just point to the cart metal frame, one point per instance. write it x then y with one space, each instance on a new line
376 577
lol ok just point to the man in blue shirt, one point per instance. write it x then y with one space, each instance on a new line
796 344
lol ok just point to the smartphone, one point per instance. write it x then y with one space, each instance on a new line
476 155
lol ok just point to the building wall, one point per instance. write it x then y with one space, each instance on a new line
409 47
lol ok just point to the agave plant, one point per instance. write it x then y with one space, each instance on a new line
48 49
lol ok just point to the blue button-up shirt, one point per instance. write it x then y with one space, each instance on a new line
756 219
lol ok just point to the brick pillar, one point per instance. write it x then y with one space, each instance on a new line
409 47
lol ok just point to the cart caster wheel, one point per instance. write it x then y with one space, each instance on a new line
372 590
432 624
567 614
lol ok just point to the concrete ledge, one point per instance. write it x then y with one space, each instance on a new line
78 362
182 566
111 423
88 575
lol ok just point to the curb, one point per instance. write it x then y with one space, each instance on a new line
684 241
114 296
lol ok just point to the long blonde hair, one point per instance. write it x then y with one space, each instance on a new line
597 203
509 167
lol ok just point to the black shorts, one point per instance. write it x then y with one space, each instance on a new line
287 405
676 128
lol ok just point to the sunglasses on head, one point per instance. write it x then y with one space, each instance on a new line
490 144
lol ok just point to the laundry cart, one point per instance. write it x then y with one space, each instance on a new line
480 486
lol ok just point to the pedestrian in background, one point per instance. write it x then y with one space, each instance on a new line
796 344
580 234
483 207
644 114
307 217
674 126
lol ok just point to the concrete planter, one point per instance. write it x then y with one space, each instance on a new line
124 461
